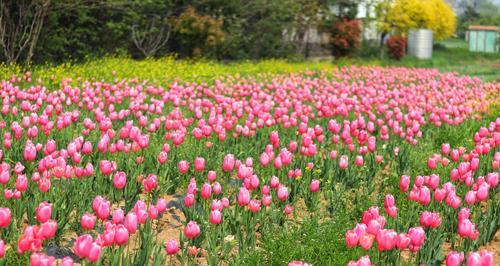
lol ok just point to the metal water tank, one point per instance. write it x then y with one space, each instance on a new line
420 43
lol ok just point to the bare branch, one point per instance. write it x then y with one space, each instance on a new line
149 40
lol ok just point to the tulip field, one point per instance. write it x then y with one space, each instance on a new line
264 164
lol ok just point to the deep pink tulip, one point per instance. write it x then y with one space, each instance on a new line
243 197
314 186
228 163
183 167
82 246
131 222
189 200
343 163
191 230
171 247
5 217
404 183
215 217
94 252
121 235
199 164
44 212
454 258
254 205
119 180
88 221
2 249
118 216
149 183
417 236
206 191
282 193
211 176
67 261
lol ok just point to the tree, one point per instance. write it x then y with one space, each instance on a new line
197 34
21 22
150 29
403 15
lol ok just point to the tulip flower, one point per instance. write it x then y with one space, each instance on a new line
191 230
172 247
43 212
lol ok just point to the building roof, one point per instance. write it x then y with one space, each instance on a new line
483 27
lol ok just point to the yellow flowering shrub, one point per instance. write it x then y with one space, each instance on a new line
403 15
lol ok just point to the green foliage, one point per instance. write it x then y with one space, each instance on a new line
197 35
224 29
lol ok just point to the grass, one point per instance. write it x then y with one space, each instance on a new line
446 58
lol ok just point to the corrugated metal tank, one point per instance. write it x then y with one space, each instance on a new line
420 43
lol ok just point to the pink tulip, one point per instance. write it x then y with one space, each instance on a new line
366 241
5 217
274 182
228 163
445 148
106 167
48 229
82 246
282 193
29 151
298 263
162 157
131 222
2 249
211 176
439 194
94 252
470 197
189 200
404 183
44 212
67 261
119 180
454 258
172 247
215 217
183 167
243 197
206 191
121 235
358 161
118 216
417 236
88 221
149 183
192 230
351 238
216 188
386 239
343 163
199 164
403 241
314 186
254 206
